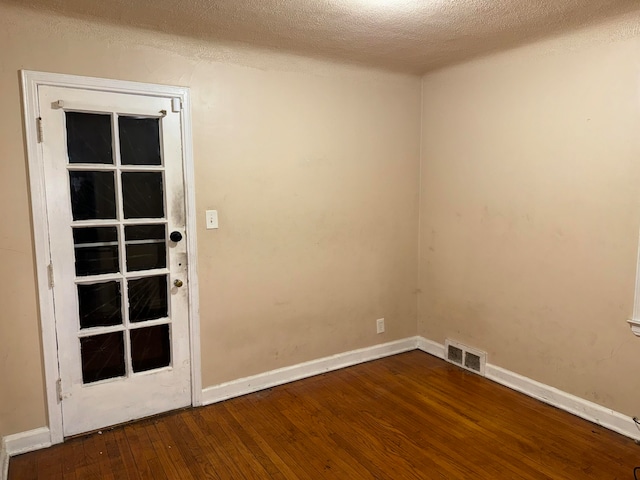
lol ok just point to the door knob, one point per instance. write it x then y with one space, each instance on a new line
178 283
175 236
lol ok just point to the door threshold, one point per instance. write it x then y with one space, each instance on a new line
109 428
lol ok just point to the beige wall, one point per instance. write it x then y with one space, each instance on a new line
530 209
529 203
312 166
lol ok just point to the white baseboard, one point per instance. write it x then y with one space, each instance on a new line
22 442
4 461
284 375
564 401
433 348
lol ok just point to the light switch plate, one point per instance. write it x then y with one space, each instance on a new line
212 219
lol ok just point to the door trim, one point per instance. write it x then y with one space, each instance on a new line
31 80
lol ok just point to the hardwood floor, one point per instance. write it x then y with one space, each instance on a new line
410 416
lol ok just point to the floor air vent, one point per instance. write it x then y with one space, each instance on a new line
465 357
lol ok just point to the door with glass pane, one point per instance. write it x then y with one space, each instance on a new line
116 214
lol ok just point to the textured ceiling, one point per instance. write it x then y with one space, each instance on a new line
404 35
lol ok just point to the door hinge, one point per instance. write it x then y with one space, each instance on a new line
50 274
59 389
176 104
40 129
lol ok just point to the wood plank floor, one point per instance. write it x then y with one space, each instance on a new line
410 416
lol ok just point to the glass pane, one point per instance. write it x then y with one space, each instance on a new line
89 137
146 247
100 304
150 348
102 357
96 250
142 195
148 298
93 195
139 140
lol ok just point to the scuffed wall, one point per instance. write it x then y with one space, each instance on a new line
530 210
311 165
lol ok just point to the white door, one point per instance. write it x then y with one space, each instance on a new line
116 214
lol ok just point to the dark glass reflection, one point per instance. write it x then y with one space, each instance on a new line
93 195
96 250
139 140
142 195
148 298
102 357
150 348
89 138
146 247
100 304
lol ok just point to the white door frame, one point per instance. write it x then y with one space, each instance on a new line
31 80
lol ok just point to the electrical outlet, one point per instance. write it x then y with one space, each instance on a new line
380 325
